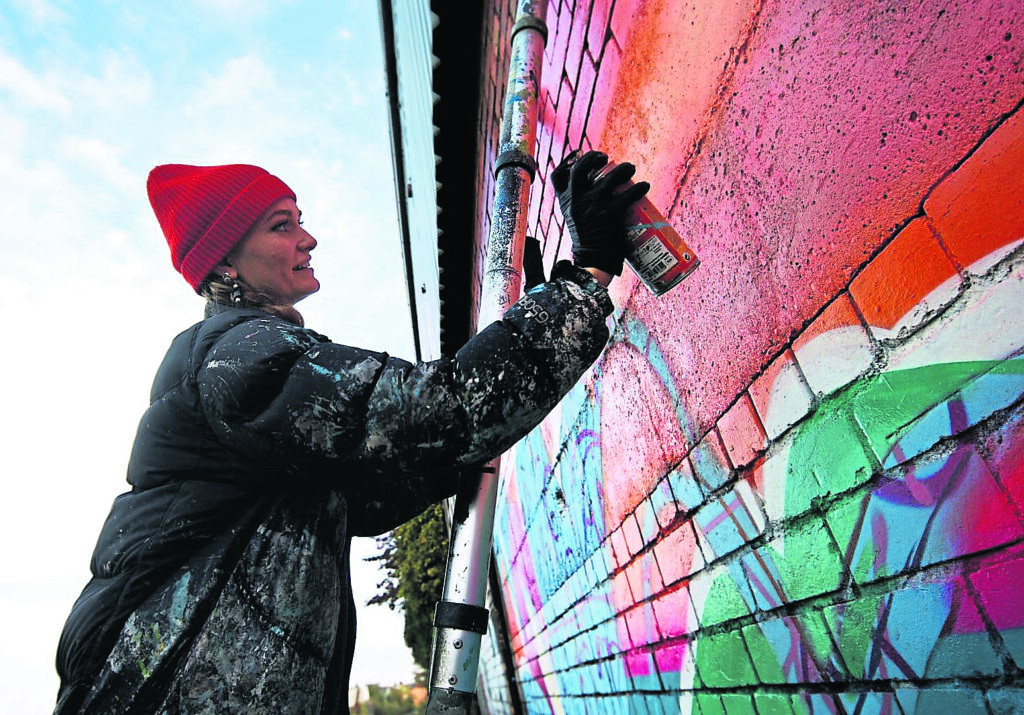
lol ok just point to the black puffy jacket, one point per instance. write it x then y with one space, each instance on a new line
255 419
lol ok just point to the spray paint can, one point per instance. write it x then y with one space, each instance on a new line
657 253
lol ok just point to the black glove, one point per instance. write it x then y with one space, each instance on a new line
533 264
595 208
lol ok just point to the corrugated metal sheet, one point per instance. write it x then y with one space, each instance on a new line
412 25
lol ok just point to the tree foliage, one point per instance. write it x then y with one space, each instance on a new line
389 701
414 558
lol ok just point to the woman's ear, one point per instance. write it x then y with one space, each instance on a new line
225 267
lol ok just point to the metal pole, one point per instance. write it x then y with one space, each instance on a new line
461 618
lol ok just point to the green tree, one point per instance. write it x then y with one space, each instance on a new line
414 558
389 701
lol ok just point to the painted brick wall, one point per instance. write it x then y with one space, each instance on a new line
795 483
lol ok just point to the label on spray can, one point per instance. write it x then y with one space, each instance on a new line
657 253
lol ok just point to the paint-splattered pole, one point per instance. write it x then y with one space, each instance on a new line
461 617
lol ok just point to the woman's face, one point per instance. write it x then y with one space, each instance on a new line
274 256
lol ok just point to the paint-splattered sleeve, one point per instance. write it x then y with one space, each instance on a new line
284 393
498 387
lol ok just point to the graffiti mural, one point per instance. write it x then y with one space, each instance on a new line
894 473
890 511
939 498
796 483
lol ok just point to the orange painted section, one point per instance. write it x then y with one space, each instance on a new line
901 275
980 207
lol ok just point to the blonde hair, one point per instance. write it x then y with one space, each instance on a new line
215 289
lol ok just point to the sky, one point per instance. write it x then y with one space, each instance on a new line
93 94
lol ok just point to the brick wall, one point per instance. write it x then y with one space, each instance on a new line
795 483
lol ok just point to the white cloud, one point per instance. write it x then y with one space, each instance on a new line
30 90
40 12
243 110
244 82
123 83
236 11
14 130
101 158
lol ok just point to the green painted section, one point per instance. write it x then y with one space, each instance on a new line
732 666
724 601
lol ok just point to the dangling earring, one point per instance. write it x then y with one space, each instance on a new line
236 290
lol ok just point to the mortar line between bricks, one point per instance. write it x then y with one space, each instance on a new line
995 637
848 583
980 683
758 423
984 137
986 455
962 270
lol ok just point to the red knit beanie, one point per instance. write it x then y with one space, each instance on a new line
205 210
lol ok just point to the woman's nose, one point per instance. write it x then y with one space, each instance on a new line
308 243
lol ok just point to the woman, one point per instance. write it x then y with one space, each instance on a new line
220 582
